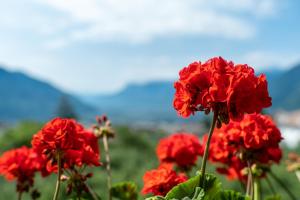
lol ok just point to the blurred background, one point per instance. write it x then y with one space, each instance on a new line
83 58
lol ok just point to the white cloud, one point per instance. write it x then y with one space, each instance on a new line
141 21
264 60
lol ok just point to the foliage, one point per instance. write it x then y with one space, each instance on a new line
125 191
189 190
19 135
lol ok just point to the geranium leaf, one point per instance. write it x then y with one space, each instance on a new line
231 195
124 191
189 188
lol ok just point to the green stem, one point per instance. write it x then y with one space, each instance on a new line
58 177
298 174
282 185
250 183
92 192
206 151
108 171
20 195
257 191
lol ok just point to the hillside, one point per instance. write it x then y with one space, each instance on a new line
150 101
23 97
285 89
153 100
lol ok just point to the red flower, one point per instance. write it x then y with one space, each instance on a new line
19 164
69 139
234 170
180 148
160 181
260 131
218 84
254 139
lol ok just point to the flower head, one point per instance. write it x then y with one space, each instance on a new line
180 148
160 181
220 85
20 164
255 139
67 138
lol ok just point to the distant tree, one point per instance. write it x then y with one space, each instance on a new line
65 109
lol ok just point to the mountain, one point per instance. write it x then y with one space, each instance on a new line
23 97
150 101
153 100
285 89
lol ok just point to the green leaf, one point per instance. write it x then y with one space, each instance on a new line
188 188
273 197
125 191
199 194
155 198
231 195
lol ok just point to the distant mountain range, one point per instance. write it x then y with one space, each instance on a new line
23 97
285 89
153 100
140 102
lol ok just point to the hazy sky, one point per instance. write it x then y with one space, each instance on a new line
90 46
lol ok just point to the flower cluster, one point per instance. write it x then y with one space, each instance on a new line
180 151
69 140
160 181
180 148
220 85
63 139
255 140
20 164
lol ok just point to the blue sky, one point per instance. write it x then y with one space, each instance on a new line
96 46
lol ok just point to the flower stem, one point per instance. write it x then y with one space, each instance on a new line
108 171
20 195
249 190
58 177
256 188
298 174
206 151
282 185
92 192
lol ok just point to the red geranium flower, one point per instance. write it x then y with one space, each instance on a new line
180 148
19 164
217 84
68 138
160 181
255 139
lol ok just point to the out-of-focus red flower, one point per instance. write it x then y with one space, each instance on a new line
20 164
260 131
180 148
255 139
219 84
160 181
234 171
68 138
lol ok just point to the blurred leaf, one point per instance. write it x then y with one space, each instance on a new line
231 195
155 198
274 197
124 191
